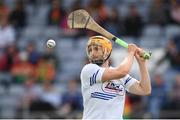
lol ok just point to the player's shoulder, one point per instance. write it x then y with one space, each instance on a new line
87 70
89 67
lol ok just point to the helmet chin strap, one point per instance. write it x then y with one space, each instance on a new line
100 62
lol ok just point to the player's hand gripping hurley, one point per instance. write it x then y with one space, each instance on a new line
82 19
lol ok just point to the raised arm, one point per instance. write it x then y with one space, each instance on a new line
143 86
123 68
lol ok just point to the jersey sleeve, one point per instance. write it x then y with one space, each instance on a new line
91 74
128 81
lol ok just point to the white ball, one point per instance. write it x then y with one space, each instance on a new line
51 43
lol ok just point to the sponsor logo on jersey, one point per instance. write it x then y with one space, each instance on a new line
113 87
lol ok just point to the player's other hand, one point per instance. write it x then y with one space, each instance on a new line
138 53
132 48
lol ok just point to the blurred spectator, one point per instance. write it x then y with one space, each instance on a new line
127 108
176 41
76 5
8 58
171 110
133 22
29 93
175 10
45 71
50 56
47 103
7 33
50 95
63 23
18 16
175 94
42 110
98 11
71 101
75 33
172 53
23 69
115 23
3 8
157 100
136 106
56 13
33 55
157 13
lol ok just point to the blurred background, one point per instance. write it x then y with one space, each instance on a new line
37 82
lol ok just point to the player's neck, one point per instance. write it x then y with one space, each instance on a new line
105 64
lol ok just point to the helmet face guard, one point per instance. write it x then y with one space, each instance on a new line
98 49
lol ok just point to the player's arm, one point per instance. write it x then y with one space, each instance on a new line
143 86
123 69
